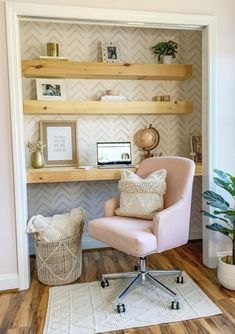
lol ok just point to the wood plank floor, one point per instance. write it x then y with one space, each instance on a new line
24 312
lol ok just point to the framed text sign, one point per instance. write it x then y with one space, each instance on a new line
60 139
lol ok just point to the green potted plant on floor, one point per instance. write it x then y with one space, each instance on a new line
166 50
225 214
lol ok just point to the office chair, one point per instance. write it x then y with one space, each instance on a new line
168 229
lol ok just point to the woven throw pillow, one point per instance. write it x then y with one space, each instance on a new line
141 198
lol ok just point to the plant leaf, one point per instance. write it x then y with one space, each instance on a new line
222 175
227 186
215 200
224 181
208 214
219 228
226 212
232 178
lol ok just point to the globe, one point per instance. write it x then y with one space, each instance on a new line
147 138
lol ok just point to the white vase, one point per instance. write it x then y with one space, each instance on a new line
167 59
226 274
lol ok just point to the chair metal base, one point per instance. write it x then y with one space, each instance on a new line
142 273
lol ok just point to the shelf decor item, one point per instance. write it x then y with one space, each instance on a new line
225 214
147 139
166 51
37 159
60 138
196 148
53 49
51 89
111 52
113 95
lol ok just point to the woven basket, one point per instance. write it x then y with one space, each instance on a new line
59 262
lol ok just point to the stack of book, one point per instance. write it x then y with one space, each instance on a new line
113 98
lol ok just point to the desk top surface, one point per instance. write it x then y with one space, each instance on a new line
73 174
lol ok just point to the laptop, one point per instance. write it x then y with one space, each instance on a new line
114 155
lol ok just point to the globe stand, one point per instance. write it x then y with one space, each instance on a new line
148 154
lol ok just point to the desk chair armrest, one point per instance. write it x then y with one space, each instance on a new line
171 226
110 206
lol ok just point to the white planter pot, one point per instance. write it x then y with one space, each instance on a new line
167 59
226 274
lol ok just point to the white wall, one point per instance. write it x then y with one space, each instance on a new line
8 264
225 140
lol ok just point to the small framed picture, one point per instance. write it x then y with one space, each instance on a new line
51 89
196 147
111 52
60 139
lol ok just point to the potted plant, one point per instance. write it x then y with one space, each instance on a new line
225 214
167 50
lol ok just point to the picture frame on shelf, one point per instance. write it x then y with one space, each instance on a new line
51 89
111 52
196 148
60 140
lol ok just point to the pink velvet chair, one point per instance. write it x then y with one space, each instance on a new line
138 237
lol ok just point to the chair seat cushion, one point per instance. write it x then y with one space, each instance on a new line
141 198
129 235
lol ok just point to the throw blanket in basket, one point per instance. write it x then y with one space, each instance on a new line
57 227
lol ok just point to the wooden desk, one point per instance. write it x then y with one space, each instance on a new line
72 174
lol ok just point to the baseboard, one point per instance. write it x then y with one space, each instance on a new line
91 243
9 282
197 234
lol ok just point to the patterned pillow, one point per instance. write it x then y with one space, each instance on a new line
141 198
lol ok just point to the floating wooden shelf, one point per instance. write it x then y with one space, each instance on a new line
71 174
82 70
39 107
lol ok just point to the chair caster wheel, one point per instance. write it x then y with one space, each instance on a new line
136 268
175 305
121 308
104 283
180 279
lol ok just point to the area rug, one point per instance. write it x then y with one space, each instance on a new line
86 308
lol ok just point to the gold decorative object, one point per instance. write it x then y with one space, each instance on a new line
159 98
166 98
37 159
53 49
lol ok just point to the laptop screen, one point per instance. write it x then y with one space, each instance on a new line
113 153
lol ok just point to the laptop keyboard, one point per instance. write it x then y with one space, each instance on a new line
115 166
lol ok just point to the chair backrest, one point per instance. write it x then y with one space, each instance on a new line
180 173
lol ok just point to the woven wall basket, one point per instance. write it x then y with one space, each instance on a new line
59 262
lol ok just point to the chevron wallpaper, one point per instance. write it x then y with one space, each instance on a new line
81 42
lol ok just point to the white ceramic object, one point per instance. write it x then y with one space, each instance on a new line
167 59
226 274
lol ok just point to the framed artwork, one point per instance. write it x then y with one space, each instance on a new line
51 89
60 139
111 52
196 147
